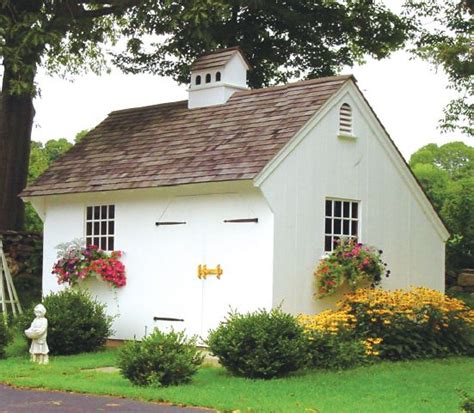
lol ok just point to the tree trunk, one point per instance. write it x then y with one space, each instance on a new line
16 121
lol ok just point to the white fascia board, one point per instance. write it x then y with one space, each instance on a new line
381 134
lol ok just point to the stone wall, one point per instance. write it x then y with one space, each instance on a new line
24 253
463 281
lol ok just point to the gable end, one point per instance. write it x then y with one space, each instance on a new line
384 139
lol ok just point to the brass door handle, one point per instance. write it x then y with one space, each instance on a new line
203 271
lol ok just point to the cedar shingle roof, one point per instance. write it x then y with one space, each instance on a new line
169 144
217 58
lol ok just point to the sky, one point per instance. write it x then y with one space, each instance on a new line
408 96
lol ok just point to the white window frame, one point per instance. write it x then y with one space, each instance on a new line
333 234
104 240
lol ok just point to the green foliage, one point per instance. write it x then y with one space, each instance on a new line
442 35
61 38
435 181
282 40
336 352
80 135
467 405
5 336
466 297
33 222
18 346
41 156
458 212
76 322
456 159
447 175
260 344
160 359
29 287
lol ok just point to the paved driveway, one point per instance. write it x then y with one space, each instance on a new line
35 401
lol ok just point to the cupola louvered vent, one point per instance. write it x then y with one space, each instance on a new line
345 119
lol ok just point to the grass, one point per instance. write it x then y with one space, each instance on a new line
421 386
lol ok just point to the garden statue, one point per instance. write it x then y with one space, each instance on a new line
37 332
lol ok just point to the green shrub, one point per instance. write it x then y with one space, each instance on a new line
4 336
467 405
335 353
23 321
76 322
160 359
466 297
260 344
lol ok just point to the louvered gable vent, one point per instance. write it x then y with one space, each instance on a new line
345 119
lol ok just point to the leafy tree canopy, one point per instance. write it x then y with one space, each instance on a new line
281 39
434 180
41 156
443 36
455 158
447 174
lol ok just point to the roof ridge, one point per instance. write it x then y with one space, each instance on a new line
245 92
214 54
156 105
295 84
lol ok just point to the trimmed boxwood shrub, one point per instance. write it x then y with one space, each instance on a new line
160 359
260 344
76 322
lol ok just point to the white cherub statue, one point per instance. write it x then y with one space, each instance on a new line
37 332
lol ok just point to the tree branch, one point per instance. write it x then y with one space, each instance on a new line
77 10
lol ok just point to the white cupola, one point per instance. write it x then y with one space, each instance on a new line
216 76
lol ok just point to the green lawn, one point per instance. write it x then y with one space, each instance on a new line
422 386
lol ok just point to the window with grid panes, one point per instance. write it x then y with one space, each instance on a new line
341 221
100 226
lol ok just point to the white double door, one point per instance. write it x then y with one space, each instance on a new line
192 231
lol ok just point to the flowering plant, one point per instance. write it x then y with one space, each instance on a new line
333 343
417 323
351 262
395 325
78 262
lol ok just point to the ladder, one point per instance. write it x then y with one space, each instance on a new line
8 293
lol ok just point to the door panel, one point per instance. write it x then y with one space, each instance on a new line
205 239
235 247
179 247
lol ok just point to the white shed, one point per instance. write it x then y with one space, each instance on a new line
254 182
